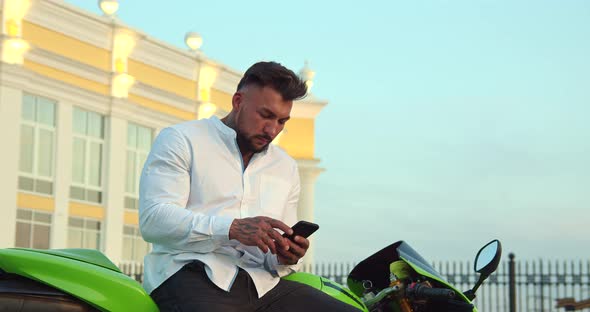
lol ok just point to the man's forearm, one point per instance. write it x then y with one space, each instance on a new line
175 227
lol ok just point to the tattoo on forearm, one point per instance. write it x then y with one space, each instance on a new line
259 231
246 229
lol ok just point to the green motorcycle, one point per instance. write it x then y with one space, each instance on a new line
395 278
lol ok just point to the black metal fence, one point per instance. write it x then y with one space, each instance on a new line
539 284
517 285
133 269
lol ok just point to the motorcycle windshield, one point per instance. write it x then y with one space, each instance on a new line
376 267
407 253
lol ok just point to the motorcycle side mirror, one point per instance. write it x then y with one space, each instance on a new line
486 262
488 258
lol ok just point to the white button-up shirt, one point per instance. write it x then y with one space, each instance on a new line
192 187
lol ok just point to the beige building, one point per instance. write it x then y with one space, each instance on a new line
81 99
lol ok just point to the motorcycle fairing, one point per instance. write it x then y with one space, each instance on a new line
420 270
422 267
98 284
91 256
327 286
375 268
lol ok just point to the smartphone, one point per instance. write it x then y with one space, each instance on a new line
303 229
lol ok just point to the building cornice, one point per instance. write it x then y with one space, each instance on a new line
14 76
227 80
125 109
163 96
307 108
308 163
165 57
72 21
28 81
17 77
69 65
182 63
309 168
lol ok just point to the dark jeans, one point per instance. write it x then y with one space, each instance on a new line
191 290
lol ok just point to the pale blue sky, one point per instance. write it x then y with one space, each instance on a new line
450 123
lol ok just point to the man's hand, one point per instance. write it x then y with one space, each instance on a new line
296 251
260 231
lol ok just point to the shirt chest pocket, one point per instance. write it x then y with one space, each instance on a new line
274 192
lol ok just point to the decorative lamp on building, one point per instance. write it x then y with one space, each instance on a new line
108 7
205 76
13 46
123 44
193 40
307 75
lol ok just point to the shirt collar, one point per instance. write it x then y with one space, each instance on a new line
231 133
223 128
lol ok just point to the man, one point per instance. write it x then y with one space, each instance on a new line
215 196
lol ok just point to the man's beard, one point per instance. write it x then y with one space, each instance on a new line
247 142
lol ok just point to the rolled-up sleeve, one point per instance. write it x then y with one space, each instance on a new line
290 218
164 190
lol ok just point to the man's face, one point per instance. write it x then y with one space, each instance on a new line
261 113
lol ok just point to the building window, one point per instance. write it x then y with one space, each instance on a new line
33 229
37 145
134 247
139 141
84 233
87 156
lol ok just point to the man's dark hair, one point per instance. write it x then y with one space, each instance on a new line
276 76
